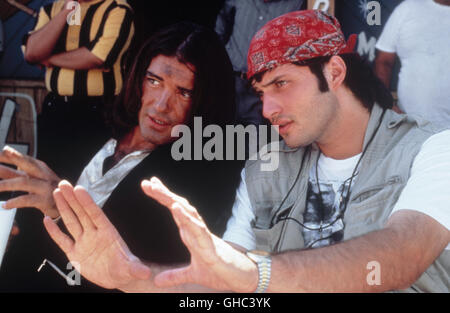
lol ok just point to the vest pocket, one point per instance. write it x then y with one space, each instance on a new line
372 191
267 238
369 209
284 233
282 214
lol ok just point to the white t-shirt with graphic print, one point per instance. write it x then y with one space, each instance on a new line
427 191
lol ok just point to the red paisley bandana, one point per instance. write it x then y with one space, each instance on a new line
296 36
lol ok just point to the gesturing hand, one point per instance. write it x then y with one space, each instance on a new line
214 263
102 255
32 176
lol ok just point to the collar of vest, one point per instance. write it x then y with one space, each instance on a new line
374 121
392 120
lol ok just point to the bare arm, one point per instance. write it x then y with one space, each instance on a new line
404 249
104 50
40 44
78 59
410 242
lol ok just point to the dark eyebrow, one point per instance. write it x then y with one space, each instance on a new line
149 73
185 90
154 75
273 81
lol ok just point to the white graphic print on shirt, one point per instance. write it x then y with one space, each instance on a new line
323 216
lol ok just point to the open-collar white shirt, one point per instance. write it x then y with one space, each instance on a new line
101 186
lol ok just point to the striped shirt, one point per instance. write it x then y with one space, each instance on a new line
106 30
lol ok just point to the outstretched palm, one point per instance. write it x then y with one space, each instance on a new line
214 263
97 249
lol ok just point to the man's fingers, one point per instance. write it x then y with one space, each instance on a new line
25 201
6 172
180 214
61 239
156 189
21 184
41 200
69 195
95 213
193 232
173 277
23 162
69 218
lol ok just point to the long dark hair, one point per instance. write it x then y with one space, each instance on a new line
213 96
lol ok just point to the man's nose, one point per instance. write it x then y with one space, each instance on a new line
271 107
162 102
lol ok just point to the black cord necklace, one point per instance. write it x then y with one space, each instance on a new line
290 189
347 195
344 192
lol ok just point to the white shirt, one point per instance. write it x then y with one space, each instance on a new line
101 186
418 32
427 190
327 197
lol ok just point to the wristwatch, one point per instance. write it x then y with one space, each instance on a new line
264 263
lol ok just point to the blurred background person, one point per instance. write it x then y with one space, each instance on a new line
83 72
417 32
236 24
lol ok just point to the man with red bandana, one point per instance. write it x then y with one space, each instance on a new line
357 204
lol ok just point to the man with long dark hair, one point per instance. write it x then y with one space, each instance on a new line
359 201
169 84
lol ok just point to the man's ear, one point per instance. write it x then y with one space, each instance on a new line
335 71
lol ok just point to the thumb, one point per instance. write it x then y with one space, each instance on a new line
139 270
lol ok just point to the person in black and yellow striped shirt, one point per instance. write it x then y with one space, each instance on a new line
83 62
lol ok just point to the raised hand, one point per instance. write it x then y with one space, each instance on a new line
32 176
214 263
96 247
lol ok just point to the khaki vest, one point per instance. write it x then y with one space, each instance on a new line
383 173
